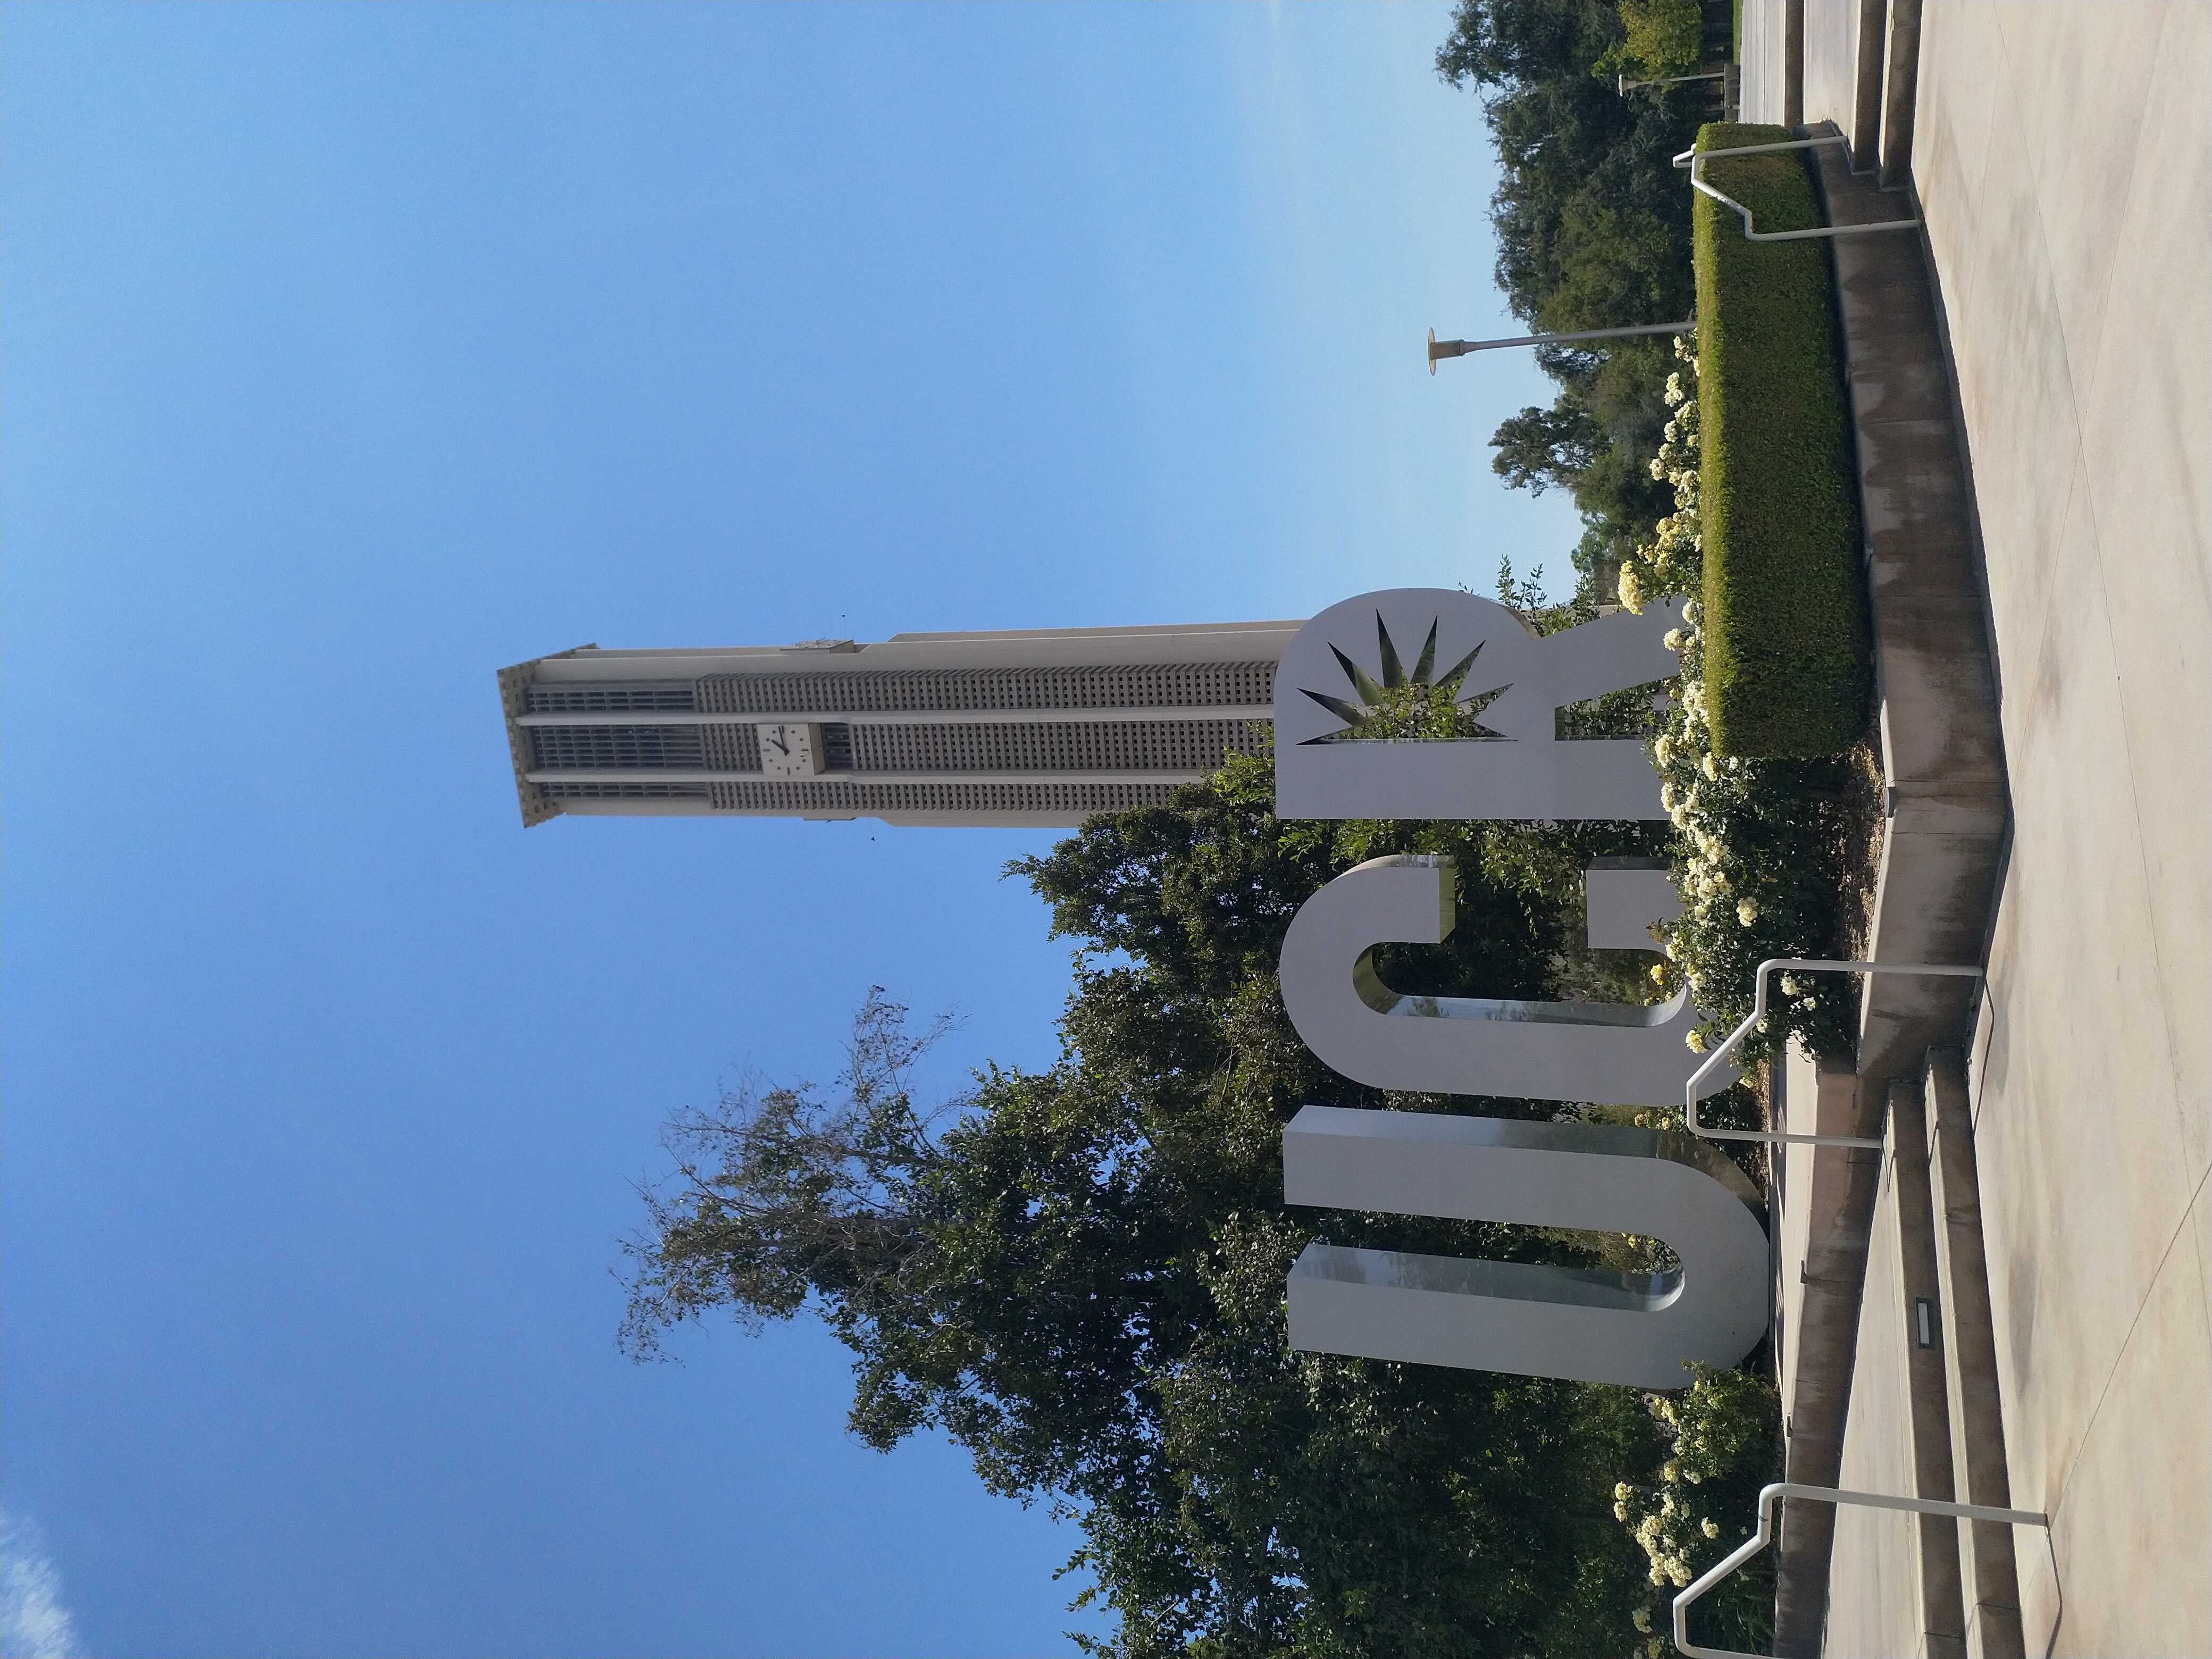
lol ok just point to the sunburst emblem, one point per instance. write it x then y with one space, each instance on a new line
1384 709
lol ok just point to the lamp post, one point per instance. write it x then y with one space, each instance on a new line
1459 347
1624 85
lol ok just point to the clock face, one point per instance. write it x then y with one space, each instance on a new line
789 749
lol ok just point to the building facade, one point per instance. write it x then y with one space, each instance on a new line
1033 727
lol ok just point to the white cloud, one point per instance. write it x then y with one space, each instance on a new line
33 1623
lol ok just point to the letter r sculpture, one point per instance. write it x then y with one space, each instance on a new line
1484 657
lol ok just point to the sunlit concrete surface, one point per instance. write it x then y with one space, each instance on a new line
1762 60
2062 158
1874 1602
1832 35
2063 163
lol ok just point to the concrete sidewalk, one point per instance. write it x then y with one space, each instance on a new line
2062 160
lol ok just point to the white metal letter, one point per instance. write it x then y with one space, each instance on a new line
1341 665
1617 1054
1592 1327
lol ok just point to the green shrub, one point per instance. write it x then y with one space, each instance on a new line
1786 655
1757 860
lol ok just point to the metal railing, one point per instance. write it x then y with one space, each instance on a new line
1695 160
1809 964
1769 1496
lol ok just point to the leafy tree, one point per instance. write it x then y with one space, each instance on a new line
1593 225
1659 38
1540 448
1079 1273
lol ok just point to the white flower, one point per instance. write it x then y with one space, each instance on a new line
1665 750
1631 588
1669 795
1621 1511
1670 1470
1642 1620
1747 912
1658 973
1720 881
1673 638
1790 985
1710 1528
1711 767
1695 1042
1691 611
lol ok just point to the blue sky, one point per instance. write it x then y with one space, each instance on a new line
352 353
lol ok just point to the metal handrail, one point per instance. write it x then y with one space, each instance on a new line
1695 160
1770 1495
1759 1012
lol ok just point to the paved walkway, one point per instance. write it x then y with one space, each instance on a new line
2063 159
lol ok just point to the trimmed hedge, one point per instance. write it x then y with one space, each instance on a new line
1787 661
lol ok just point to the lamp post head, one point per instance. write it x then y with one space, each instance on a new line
1443 349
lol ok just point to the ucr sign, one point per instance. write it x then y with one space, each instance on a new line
1544 1322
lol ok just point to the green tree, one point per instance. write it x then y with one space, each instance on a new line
1593 225
1659 38
1540 449
1079 1273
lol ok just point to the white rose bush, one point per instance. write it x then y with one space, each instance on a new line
1721 1436
1756 852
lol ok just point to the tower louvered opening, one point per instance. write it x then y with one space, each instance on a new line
929 691
1068 801
730 748
698 792
603 748
1052 746
608 699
